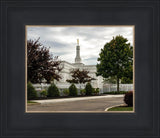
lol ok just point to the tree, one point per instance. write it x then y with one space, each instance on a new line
72 90
40 64
128 77
116 60
80 76
53 91
88 89
31 92
110 80
126 80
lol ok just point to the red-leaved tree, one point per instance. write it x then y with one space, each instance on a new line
40 64
80 76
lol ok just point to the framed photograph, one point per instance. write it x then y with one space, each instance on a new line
80 69
99 79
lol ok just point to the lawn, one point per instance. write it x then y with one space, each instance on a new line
121 108
31 102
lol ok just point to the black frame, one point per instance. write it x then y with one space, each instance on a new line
143 123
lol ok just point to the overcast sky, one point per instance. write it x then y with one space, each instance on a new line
63 40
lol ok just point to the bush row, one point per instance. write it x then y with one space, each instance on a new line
53 91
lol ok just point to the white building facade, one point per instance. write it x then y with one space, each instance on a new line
68 67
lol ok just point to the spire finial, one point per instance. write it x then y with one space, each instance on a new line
78 42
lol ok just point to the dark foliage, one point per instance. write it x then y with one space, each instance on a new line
83 92
40 64
79 76
72 90
31 92
66 92
96 91
128 98
43 93
116 60
89 89
53 91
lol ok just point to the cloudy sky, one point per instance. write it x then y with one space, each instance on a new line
62 40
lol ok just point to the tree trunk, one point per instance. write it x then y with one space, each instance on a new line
117 84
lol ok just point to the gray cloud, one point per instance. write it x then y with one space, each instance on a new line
62 40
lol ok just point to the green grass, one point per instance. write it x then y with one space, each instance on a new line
31 102
121 108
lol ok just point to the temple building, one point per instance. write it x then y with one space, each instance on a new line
78 64
68 67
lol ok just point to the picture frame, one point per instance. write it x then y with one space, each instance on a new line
145 122
48 108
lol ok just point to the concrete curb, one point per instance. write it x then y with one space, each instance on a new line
29 104
113 106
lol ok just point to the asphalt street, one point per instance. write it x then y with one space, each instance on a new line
99 104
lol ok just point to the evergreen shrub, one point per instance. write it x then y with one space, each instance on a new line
72 90
89 89
31 92
53 91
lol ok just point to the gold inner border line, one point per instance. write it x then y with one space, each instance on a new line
133 27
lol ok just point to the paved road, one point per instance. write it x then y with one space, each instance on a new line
98 104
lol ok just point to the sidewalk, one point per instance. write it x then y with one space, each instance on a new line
49 101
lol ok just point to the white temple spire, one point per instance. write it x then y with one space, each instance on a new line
78 58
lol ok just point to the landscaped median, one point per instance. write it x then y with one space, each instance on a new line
120 108
31 102
128 106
